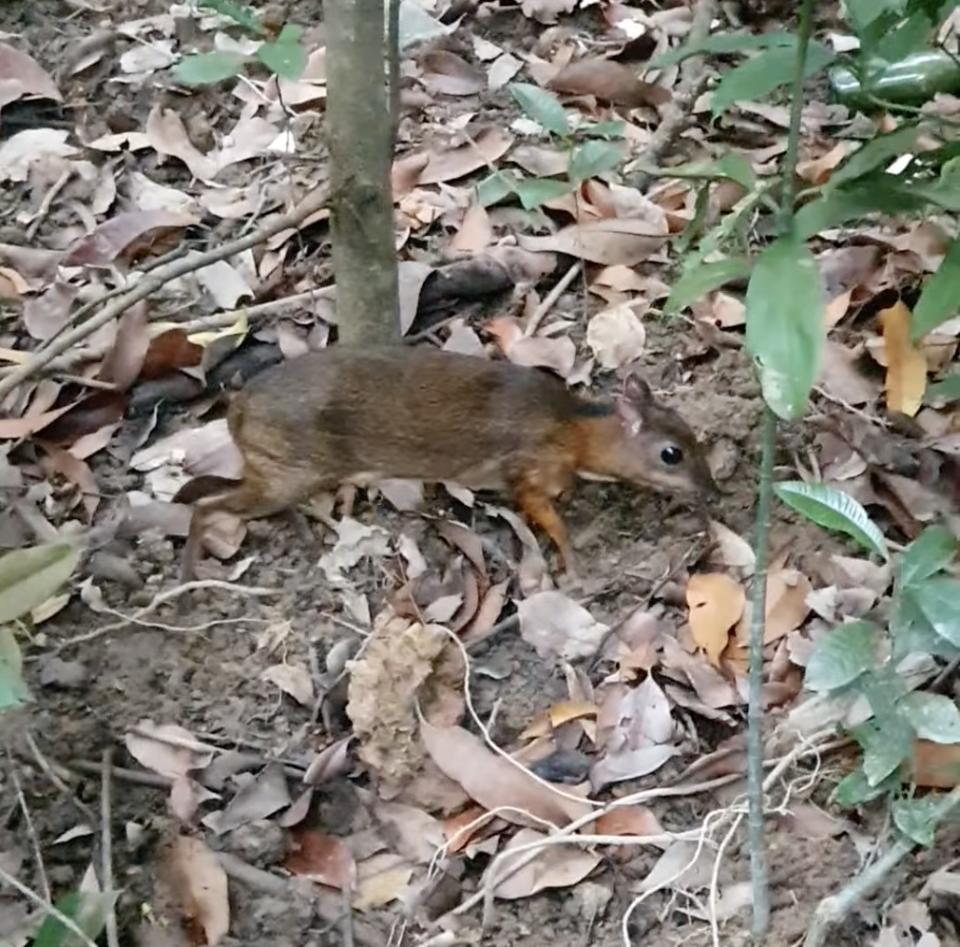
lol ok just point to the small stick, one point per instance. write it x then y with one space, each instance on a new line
106 845
550 299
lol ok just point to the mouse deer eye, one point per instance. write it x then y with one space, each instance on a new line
671 455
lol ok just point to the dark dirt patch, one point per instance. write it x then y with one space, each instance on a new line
208 680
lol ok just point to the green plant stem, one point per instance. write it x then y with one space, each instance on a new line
758 591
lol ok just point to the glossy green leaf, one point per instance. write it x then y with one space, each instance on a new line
833 509
28 577
785 324
495 187
854 789
535 191
944 392
885 749
766 71
732 166
928 554
703 278
285 58
841 656
542 106
876 192
601 129
934 716
939 600
594 157
208 68
241 15
916 818
724 44
87 909
13 689
874 153
912 632
940 299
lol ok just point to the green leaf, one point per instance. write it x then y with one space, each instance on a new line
939 600
13 689
861 13
884 748
732 166
765 72
28 577
878 151
934 716
945 391
938 301
535 191
928 554
785 324
593 158
854 789
833 509
701 279
877 192
208 68
912 632
841 656
243 16
723 44
542 106
497 186
87 909
910 36
285 58
916 818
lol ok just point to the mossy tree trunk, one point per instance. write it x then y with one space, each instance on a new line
360 138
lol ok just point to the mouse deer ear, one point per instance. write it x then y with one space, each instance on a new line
634 401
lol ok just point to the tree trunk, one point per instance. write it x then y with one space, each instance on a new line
360 139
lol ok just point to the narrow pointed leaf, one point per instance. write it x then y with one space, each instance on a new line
939 300
542 106
833 509
703 278
208 68
927 555
28 577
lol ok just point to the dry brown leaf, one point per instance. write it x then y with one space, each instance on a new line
475 233
292 679
628 820
381 879
488 147
558 715
21 76
122 365
446 73
716 604
77 472
555 866
906 363
493 781
936 765
840 376
167 749
557 625
47 313
609 242
609 81
130 236
616 335
200 884
321 858
547 11
817 170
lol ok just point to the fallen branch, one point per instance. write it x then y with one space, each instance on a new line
156 279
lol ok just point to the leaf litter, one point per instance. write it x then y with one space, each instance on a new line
394 712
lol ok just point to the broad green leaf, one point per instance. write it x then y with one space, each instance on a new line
13 689
701 279
877 192
208 68
916 818
497 186
912 632
593 158
534 191
766 71
939 600
833 509
945 391
285 58
911 36
878 151
732 166
854 789
934 716
87 909
28 577
886 748
841 656
861 13
928 554
724 43
542 106
785 324
939 300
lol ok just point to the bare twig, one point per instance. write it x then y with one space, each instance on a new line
106 845
551 298
31 829
153 281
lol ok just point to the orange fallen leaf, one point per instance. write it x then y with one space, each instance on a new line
906 363
557 715
200 884
716 604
